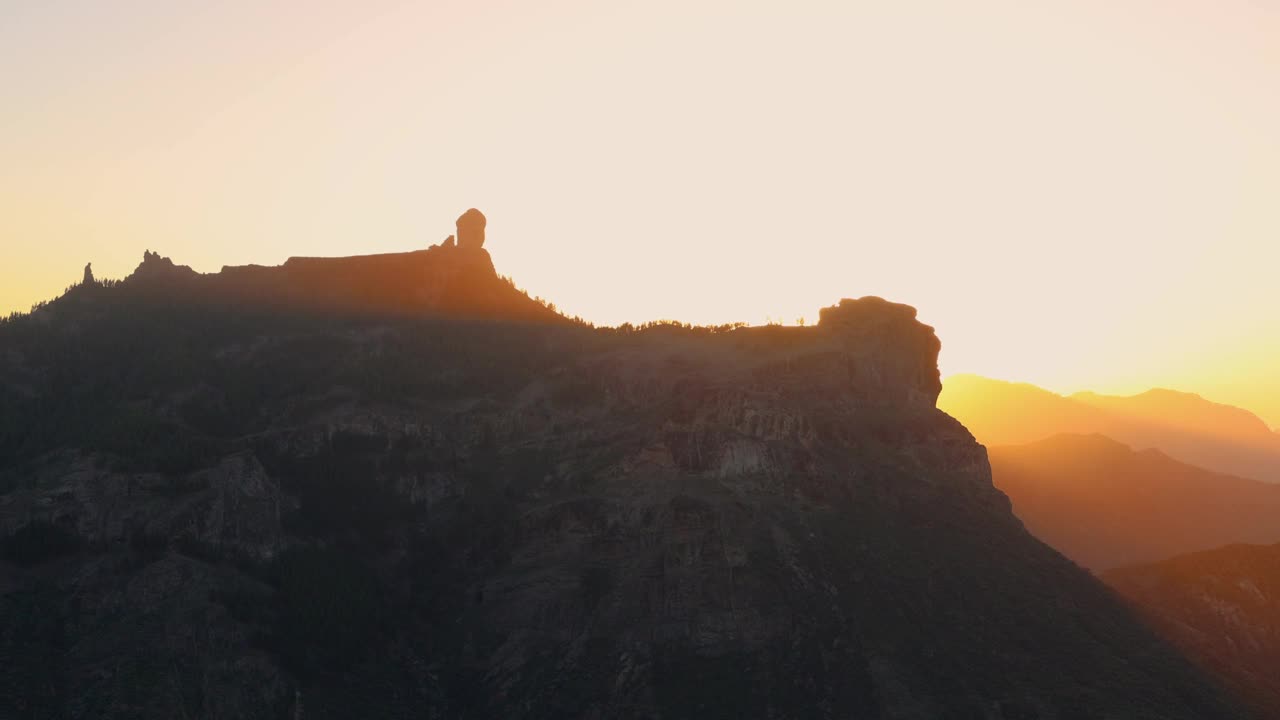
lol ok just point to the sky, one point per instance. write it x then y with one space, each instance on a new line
1081 194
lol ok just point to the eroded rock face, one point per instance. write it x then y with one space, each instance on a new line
232 506
545 521
872 322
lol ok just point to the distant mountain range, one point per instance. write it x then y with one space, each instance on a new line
1184 426
1104 504
1140 488
1222 608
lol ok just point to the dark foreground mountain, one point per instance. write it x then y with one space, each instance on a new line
1104 504
1184 426
215 508
1223 608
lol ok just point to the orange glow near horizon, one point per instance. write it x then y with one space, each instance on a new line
1076 194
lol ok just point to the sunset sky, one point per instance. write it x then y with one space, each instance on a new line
1080 194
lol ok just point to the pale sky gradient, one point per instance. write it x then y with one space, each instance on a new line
1079 194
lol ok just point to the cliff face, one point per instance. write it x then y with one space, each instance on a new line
385 516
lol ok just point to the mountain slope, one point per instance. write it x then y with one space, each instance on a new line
219 509
1223 607
1103 504
1184 426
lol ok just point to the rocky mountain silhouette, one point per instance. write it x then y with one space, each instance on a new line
393 486
1184 426
1103 504
457 280
1222 607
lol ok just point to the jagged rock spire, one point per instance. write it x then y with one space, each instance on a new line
471 229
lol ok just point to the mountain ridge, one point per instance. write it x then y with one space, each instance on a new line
1185 426
455 278
1214 417
213 509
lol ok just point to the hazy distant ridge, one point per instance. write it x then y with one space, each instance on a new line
1183 425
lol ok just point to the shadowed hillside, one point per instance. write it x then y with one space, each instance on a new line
1223 608
1103 504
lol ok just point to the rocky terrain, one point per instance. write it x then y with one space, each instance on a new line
1104 504
397 487
1222 607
